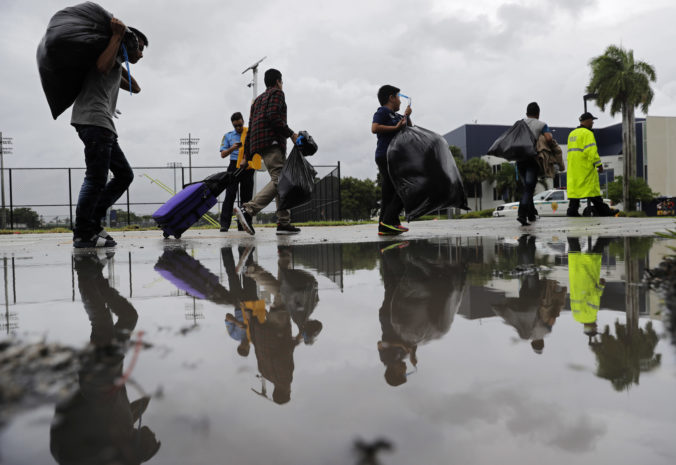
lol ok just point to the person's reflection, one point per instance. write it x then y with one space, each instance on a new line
423 291
244 295
97 424
271 331
586 284
540 300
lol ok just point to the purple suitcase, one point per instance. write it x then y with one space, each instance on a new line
184 209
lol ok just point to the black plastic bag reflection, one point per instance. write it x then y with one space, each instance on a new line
294 298
423 292
540 300
98 424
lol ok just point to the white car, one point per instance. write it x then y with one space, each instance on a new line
553 202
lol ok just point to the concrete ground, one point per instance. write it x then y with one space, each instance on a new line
487 227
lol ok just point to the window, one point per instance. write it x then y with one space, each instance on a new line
557 195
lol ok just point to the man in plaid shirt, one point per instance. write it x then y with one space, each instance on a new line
267 136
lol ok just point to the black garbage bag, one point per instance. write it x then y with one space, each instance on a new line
296 181
307 146
516 144
424 173
74 39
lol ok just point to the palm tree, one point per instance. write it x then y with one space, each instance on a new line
474 172
505 181
624 84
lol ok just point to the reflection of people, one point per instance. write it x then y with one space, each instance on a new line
244 295
96 424
586 284
422 295
271 332
540 300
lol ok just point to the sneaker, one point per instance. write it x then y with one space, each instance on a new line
387 228
245 220
396 245
104 234
93 242
522 220
224 229
287 229
242 260
574 215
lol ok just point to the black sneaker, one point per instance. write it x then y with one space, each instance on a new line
93 242
104 234
522 220
287 229
574 214
245 220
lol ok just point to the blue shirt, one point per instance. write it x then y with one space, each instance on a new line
230 139
386 117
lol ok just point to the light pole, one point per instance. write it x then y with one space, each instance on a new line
254 81
5 149
191 148
588 97
174 165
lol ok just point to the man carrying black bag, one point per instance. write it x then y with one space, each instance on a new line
267 136
92 117
528 168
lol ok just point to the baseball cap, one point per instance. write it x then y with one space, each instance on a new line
586 115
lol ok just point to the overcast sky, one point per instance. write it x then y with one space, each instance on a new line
461 62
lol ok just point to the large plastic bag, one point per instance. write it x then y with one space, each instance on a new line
516 144
296 181
424 173
74 39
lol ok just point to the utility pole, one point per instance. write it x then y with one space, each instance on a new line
5 149
191 143
174 165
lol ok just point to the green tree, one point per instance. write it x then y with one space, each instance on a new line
624 84
23 216
474 172
506 182
359 198
639 191
456 152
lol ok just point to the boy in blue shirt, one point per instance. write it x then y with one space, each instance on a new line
386 124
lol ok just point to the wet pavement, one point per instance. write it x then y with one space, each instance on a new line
437 347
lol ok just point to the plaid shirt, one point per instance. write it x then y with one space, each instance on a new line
267 123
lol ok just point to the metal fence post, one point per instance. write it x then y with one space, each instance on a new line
11 202
70 197
128 211
340 210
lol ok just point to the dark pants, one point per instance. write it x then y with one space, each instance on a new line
597 202
245 183
390 203
102 154
528 173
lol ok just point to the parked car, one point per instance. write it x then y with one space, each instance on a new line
553 202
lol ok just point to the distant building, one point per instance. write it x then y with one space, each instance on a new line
655 153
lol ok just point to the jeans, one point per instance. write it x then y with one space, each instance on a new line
273 157
528 173
245 184
390 203
102 153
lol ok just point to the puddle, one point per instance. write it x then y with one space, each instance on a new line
461 350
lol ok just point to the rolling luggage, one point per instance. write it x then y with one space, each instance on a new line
186 207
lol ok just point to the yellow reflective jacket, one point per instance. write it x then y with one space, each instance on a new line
583 159
584 274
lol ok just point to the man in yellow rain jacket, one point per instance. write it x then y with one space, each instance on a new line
584 164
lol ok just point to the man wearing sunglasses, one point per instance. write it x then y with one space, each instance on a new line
93 112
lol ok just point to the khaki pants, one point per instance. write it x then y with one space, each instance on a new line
273 157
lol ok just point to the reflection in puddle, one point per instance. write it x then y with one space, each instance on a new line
427 343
